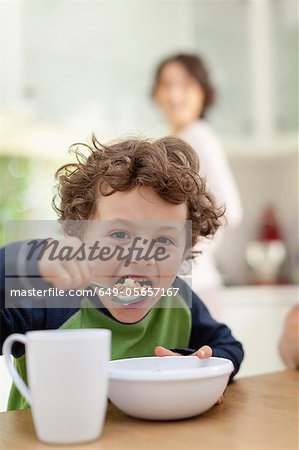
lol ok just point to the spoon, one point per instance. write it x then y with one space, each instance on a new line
121 299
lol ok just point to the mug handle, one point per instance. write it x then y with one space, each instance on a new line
6 351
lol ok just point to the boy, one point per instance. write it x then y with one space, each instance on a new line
124 211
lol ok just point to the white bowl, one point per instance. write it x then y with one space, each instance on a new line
169 387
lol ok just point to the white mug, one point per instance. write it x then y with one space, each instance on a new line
67 373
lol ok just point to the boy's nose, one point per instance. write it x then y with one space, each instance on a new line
144 262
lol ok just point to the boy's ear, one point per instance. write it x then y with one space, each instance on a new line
188 253
186 264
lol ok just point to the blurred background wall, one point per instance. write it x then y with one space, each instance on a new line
69 67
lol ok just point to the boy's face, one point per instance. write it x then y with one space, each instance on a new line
121 218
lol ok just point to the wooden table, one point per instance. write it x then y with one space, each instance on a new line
259 413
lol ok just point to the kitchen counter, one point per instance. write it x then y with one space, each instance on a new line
278 295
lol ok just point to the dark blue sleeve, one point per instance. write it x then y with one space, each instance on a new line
35 315
18 273
14 320
207 331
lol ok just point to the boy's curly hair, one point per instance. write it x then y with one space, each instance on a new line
169 166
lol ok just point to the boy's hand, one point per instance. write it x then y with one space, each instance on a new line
202 353
63 274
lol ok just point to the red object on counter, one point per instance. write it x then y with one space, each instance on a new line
270 230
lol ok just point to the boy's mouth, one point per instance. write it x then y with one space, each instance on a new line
134 283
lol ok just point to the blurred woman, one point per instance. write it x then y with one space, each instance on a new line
184 92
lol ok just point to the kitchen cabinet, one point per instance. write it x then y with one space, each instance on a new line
256 316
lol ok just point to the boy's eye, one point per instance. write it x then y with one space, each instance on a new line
164 240
121 235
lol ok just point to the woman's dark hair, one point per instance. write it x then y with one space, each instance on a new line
196 67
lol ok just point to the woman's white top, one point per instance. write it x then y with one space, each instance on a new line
220 181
